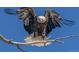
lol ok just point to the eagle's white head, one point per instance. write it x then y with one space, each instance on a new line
41 19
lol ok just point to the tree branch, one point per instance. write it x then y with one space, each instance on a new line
18 44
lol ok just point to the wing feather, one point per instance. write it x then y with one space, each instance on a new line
53 19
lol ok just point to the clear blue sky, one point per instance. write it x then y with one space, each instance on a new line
12 28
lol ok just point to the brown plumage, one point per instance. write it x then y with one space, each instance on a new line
35 25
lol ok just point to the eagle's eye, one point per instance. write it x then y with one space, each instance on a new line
41 19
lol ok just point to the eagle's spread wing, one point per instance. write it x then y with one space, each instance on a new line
10 11
29 20
53 19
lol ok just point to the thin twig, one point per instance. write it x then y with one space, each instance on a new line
18 47
67 37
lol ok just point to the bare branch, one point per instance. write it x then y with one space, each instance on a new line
67 37
18 44
34 42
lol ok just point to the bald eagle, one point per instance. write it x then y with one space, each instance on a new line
40 25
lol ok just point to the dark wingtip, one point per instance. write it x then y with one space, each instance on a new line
68 22
10 11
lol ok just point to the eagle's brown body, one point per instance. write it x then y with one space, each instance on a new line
41 27
36 24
